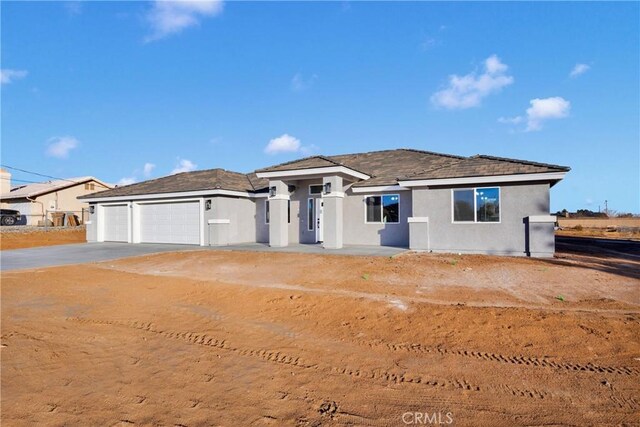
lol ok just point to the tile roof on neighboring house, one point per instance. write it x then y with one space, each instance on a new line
385 168
40 188
481 165
211 179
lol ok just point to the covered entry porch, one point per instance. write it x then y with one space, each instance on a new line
317 211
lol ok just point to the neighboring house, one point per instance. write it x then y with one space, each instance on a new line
408 198
35 201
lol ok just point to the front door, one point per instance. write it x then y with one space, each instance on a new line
319 209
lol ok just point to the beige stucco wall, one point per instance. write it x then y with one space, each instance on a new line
62 200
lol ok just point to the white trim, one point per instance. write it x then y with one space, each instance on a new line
173 195
219 221
280 197
421 219
202 221
364 203
379 188
327 170
547 176
129 223
475 207
88 223
542 218
333 194
259 195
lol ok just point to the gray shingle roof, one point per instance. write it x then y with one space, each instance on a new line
384 167
481 165
212 179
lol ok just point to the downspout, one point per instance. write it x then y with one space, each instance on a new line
41 209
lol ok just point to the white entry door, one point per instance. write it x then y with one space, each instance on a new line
319 218
116 223
176 222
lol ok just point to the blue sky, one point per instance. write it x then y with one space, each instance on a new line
128 91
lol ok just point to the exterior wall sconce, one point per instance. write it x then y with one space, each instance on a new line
92 209
207 205
291 188
327 188
272 191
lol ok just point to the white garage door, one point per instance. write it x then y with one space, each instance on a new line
116 223
170 223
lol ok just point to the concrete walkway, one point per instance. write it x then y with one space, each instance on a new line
50 256
317 248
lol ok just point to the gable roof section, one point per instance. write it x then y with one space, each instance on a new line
211 179
386 168
481 165
40 188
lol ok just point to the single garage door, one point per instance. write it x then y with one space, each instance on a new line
170 223
116 223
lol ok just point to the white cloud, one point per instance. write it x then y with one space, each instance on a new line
468 91
283 144
126 181
147 169
9 76
579 69
168 17
184 165
546 109
60 146
299 83
511 120
73 7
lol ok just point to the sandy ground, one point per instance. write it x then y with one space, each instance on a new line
600 233
232 338
32 239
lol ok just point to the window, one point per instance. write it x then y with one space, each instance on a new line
382 209
476 205
315 189
89 186
310 214
266 212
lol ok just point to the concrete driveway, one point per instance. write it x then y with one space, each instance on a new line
49 256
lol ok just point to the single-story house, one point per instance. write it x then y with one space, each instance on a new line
35 201
404 197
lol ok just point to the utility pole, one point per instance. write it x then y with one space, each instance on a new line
606 207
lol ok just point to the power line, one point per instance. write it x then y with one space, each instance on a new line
36 173
20 180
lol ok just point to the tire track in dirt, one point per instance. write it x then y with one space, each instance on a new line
508 359
382 375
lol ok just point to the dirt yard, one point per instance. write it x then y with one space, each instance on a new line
629 234
27 237
232 338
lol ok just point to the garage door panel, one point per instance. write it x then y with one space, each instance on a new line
116 223
170 223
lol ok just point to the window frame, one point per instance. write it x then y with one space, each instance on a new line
364 204
475 205
316 185
311 224
267 212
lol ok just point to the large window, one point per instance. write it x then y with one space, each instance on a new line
382 209
476 205
266 211
310 214
315 189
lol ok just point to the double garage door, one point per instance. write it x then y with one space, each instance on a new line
177 222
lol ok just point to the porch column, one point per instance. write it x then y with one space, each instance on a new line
278 211
332 213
